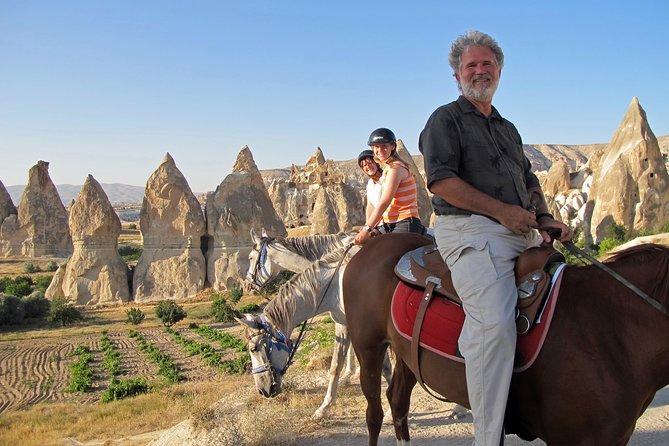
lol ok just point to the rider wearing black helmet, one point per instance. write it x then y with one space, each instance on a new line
397 208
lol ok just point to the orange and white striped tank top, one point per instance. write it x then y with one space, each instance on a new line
405 201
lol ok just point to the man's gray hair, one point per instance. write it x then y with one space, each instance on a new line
473 38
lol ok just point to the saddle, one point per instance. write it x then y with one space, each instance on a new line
424 268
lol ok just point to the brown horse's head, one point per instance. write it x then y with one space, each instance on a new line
270 352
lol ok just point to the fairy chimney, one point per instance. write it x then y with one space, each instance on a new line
424 201
557 180
323 218
240 202
95 274
40 226
630 185
172 265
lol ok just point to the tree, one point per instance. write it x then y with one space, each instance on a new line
63 312
169 312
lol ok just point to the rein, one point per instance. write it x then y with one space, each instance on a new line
300 336
581 255
259 268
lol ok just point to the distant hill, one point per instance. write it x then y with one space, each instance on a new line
117 193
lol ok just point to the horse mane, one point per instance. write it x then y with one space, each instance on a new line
313 247
656 257
305 287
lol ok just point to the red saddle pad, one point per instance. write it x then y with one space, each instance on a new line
443 323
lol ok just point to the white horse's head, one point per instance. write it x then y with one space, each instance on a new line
268 258
270 352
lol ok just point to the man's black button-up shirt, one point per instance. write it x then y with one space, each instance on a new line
486 152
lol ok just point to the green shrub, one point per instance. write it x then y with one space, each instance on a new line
169 312
234 294
12 310
63 313
124 388
135 316
249 308
272 287
81 377
30 268
36 305
221 311
19 289
4 281
132 226
130 253
52 266
42 282
665 228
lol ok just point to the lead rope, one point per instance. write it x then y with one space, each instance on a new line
300 336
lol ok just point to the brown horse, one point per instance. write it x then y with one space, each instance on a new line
603 360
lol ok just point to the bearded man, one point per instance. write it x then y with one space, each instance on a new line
488 204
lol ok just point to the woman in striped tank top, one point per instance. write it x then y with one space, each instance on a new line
397 209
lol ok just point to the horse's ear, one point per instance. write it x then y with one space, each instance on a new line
248 320
264 233
254 238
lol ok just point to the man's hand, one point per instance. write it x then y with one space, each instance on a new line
547 221
517 219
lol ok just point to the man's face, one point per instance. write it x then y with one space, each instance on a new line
369 166
479 73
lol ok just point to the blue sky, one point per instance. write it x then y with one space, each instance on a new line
108 87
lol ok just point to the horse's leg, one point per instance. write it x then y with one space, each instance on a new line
351 371
341 346
371 361
387 372
399 396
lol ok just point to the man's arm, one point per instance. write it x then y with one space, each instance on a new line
461 194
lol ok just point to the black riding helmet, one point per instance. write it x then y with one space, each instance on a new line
381 136
365 154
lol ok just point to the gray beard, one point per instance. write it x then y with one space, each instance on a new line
479 95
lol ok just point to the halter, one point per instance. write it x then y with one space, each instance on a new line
276 340
259 267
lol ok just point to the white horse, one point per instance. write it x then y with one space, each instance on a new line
314 291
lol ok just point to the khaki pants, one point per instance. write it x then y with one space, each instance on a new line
481 255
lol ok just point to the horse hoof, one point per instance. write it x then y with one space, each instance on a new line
458 413
318 415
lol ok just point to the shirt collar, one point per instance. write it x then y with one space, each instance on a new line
468 107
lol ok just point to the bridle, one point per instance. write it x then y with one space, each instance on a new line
259 267
272 339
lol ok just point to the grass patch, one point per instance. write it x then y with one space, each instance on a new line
49 423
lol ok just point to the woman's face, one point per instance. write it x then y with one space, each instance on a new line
383 151
369 166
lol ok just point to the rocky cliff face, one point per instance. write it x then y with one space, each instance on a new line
172 264
95 274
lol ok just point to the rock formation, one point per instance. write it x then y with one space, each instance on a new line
424 201
240 202
7 208
323 217
172 265
39 228
630 185
295 198
95 274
